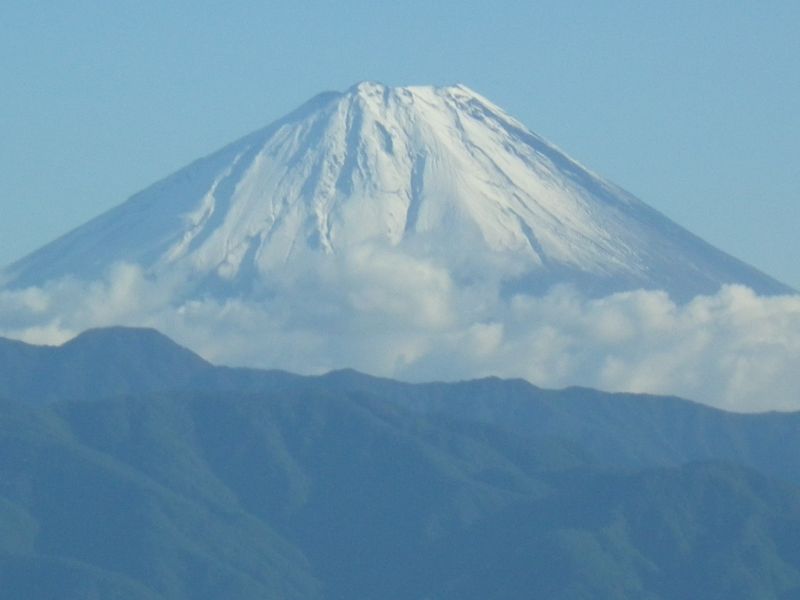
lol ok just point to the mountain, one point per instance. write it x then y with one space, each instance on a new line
435 173
348 486
327 497
615 430
104 362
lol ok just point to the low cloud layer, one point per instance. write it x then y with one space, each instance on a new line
388 314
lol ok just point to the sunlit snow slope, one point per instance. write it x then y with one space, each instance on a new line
436 172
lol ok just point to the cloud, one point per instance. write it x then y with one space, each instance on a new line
391 314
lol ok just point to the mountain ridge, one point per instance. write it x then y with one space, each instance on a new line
667 431
344 486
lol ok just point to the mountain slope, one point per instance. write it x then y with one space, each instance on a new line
195 481
435 173
314 495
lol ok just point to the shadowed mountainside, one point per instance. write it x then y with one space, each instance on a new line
186 480
629 430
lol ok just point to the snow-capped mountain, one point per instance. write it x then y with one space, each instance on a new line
440 173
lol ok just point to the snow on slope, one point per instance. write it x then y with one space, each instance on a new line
440 174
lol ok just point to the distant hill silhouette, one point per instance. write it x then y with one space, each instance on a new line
159 476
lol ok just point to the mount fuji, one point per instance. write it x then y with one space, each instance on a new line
438 174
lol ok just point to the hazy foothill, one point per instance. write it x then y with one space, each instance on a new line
138 470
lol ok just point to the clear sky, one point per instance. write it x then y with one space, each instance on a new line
692 106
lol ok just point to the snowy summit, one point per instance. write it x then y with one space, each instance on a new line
438 173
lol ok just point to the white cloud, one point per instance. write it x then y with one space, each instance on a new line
389 314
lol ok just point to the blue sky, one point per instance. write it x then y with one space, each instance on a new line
692 106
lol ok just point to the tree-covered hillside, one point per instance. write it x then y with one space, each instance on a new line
268 485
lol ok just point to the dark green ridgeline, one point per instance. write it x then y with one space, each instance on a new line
160 476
